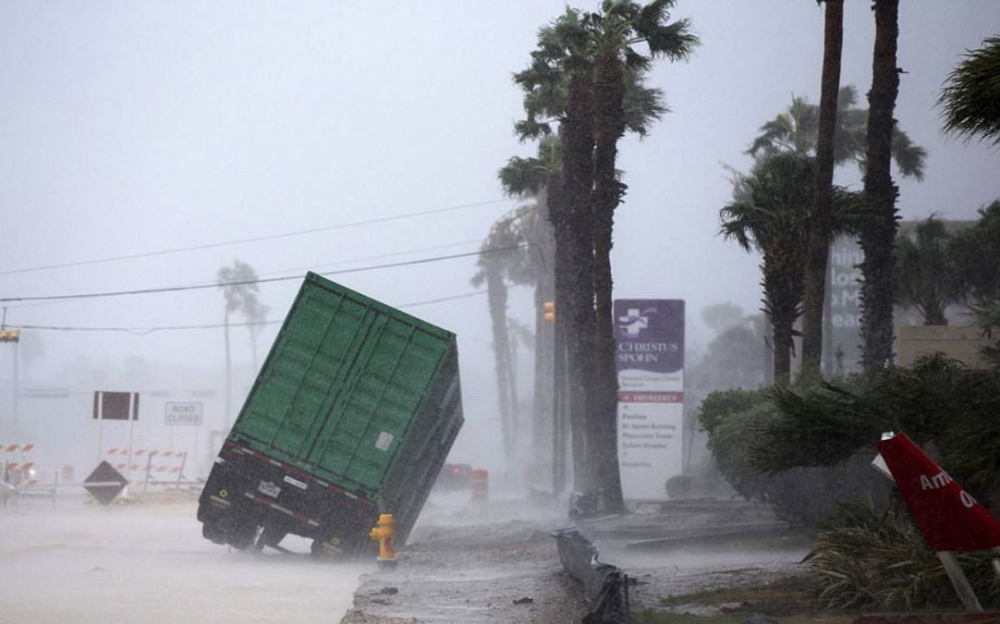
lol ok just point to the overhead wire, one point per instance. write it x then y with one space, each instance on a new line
168 289
145 331
299 270
254 239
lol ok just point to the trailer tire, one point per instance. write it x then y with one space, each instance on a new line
213 533
242 537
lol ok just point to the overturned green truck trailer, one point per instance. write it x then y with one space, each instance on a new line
351 415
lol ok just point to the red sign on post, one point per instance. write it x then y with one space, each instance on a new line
948 516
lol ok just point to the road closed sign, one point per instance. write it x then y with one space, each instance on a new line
184 414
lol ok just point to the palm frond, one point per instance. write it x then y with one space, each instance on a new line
971 99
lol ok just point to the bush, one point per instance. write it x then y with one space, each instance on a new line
871 560
736 421
952 412
680 486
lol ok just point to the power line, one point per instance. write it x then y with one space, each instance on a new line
145 331
253 239
298 270
148 291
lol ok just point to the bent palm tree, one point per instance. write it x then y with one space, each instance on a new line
534 177
494 271
796 129
239 288
770 214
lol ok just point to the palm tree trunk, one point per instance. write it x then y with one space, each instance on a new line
820 218
543 258
782 352
497 295
563 279
609 126
878 232
578 182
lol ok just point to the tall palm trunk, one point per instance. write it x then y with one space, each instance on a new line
578 181
609 126
878 232
820 218
544 252
783 292
559 219
497 294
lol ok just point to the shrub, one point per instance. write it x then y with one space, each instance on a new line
952 412
680 486
735 421
876 560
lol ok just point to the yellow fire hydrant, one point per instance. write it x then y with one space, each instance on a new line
383 534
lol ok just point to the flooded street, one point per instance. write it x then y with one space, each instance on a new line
148 563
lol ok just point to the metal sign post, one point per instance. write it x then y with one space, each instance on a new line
99 406
960 582
131 430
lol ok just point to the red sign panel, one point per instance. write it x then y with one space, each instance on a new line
948 516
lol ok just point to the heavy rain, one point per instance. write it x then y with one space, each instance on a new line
653 311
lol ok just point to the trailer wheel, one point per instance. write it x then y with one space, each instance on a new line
213 533
242 537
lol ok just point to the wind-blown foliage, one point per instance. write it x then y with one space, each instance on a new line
495 269
809 495
796 129
867 559
586 74
770 213
564 45
939 403
971 99
239 288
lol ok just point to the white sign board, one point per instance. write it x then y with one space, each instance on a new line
650 362
184 414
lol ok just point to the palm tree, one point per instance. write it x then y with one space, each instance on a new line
494 271
532 178
239 288
925 275
770 213
819 222
796 129
617 31
588 75
971 101
878 228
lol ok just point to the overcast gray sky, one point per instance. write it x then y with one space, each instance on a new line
130 127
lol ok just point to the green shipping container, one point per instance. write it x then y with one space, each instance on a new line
356 400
